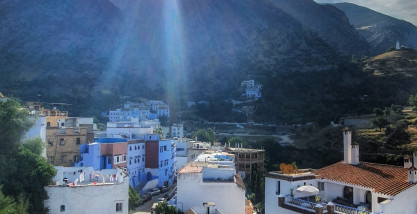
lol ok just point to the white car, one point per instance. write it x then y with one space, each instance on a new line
154 191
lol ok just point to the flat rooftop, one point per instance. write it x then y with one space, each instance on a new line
303 174
244 150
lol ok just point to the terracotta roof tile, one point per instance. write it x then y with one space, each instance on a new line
385 179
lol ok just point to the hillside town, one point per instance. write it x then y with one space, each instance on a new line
96 170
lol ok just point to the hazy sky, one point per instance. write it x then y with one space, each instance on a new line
401 9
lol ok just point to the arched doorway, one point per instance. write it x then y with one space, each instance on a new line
348 193
368 199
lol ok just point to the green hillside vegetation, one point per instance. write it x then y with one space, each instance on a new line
353 88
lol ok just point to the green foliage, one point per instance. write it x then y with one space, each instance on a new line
380 122
412 100
158 131
398 135
164 208
205 135
35 145
235 140
23 172
378 112
14 122
164 120
134 198
8 205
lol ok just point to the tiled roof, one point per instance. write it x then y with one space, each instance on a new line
385 179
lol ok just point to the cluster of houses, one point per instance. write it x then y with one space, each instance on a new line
94 173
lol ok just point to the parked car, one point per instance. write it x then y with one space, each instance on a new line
160 200
146 197
154 191
163 189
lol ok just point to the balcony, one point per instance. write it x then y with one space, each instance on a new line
308 207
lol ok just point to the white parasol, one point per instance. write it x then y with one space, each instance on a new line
308 190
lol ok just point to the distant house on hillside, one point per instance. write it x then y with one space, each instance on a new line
250 89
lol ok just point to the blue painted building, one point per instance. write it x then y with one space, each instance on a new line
104 153
160 162
136 162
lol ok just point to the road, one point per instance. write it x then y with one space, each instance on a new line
146 207
285 139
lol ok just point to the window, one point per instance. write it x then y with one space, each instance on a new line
63 158
130 148
165 148
62 142
161 163
50 142
78 140
348 193
119 207
75 158
320 186
136 147
62 208
124 157
143 146
62 124
278 188
48 124
143 158
51 159
130 162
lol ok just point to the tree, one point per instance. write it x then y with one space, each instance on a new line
412 100
380 122
9 205
165 208
205 135
235 140
134 198
378 112
164 120
23 172
14 122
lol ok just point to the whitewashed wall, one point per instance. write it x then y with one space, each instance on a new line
192 193
88 199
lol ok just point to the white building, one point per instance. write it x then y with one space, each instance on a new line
38 130
250 90
177 130
352 186
83 190
128 130
181 154
210 185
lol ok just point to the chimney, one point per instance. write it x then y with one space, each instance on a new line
412 175
407 162
347 148
355 153
414 159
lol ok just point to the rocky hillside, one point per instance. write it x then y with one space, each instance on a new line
327 22
85 48
381 31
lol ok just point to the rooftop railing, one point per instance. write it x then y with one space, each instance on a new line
311 206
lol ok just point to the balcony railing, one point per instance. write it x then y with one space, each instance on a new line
310 206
